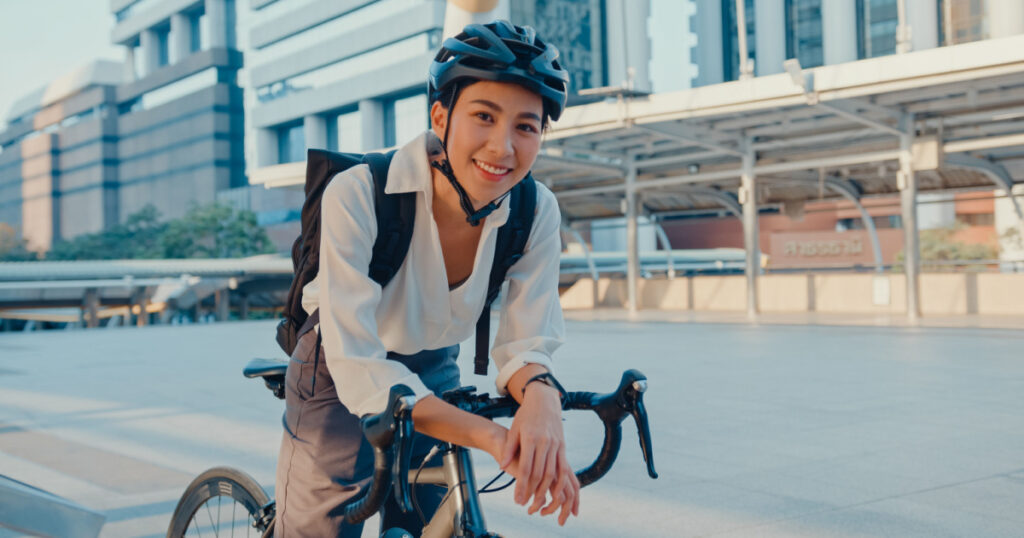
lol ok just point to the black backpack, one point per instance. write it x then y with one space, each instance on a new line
395 216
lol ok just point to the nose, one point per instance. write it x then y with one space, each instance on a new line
500 143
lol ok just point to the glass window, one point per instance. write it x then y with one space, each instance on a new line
197 27
877 21
163 36
730 44
291 144
963 21
345 132
803 32
406 119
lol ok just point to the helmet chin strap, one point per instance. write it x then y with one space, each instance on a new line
473 217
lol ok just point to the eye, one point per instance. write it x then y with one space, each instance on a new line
528 127
485 116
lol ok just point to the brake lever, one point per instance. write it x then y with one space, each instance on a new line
639 412
401 462
633 386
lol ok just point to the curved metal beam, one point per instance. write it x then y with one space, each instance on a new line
594 275
995 172
727 199
586 251
659 230
851 192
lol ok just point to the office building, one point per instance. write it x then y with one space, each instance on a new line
58 166
180 110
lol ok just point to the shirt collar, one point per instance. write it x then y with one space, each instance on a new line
410 171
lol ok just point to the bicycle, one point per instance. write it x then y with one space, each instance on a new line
390 435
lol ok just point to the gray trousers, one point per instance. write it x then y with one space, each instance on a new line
325 461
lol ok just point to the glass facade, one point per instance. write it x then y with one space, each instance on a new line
291 143
576 27
730 41
877 21
963 21
804 32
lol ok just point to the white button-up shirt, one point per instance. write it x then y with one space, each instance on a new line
360 322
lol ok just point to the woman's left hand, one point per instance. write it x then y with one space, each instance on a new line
535 443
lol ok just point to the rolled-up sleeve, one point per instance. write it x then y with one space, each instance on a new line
355 355
532 327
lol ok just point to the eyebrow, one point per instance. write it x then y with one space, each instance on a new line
491 104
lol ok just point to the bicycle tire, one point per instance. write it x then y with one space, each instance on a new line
219 483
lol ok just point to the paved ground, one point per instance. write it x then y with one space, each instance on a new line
759 430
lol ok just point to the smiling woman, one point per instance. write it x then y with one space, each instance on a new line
492 90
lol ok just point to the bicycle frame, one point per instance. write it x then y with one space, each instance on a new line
460 514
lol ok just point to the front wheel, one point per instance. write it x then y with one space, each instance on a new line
222 502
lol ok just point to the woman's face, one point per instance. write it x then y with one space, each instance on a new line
494 139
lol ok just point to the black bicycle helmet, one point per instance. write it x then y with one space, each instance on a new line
502 52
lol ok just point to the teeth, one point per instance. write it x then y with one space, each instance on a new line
491 169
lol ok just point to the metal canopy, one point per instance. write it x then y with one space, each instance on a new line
842 123
946 119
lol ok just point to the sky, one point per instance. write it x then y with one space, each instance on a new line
41 40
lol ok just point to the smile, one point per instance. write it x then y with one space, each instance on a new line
494 170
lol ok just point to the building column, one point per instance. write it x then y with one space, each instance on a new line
923 20
707 23
91 308
371 119
243 306
632 240
217 21
769 36
748 197
180 39
1005 18
222 304
907 183
150 48
266 148
129 65
839 31
314 130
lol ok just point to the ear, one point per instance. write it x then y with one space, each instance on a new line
438 119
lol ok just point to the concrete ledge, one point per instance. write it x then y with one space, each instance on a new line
942 294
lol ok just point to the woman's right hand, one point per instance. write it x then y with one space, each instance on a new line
564 491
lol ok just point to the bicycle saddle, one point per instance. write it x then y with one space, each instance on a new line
265 368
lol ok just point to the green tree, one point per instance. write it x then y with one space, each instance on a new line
13 248
215 231
209 231
137 237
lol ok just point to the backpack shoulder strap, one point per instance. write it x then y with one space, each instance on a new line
508 249
395 216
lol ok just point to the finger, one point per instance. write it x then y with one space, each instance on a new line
572 485
547 479
525 469
558 496
575 485
540 456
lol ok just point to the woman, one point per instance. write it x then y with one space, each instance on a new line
493 89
